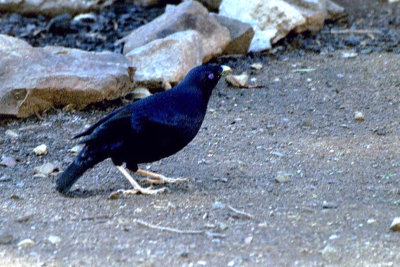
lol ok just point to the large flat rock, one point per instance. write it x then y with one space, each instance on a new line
35 79
189 15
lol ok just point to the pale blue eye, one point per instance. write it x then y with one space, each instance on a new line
211 76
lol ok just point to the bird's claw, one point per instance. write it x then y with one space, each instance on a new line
161 179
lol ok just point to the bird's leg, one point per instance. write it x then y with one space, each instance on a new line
154 178
137 189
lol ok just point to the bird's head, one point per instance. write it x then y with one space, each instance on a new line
206 77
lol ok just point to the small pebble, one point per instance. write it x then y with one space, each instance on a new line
395 226
39 176
237 80
349 54
6 238
114 195
256 66
218 205
7 161
26 243
54 239
15 197
12 134
140 92
5 178
46 168
40 150
24 218
329 205
282 178
371 221
248 240
75 149
358 116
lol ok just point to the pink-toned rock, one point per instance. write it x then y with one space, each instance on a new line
189 15
33 80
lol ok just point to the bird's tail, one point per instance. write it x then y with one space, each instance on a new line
82 162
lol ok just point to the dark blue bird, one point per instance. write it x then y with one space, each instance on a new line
147 130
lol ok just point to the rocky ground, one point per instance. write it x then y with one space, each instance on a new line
317 186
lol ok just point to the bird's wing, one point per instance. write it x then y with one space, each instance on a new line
97 124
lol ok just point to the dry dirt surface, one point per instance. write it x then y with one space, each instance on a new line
337 196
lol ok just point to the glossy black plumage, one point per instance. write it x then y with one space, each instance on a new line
147 130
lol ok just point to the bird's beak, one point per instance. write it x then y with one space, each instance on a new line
225 70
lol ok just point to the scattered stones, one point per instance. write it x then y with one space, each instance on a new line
12 134
237 80
36 79
7 161
241 35
166 60
395 226
54 239
26 243
46 168
52 8
189 15
358 116
6 238
282 178
256 66
40 150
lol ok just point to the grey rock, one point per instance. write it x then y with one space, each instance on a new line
189 15
12 134
36 79
241 34
7 161
166 60
6 238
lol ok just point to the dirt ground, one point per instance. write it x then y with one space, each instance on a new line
335 209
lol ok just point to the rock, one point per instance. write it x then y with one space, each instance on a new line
217 205
241 35
282 178
166 60
349 54
274 19
54 239
52 7
140 92
46 168
7 161
371 221
248 240
271 20
212 5
358 116
39 176
76 149
40 150
329 252
24 218
189 15
237 80
6 238
5 178
26 243
11 133
395 226
329 205
36 79
256 66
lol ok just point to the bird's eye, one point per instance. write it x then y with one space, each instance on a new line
211 76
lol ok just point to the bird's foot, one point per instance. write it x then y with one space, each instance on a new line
155 178
161 179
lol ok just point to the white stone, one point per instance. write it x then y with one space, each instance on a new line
26 243
395 226
358 116
237 80
40 150
11 134
54 239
